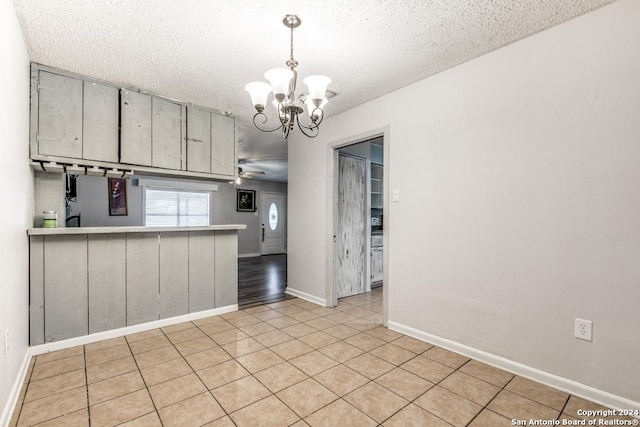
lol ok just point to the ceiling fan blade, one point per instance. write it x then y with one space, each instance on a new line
248 161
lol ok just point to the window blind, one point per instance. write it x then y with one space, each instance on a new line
176 208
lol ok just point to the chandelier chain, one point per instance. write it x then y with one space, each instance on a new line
291 43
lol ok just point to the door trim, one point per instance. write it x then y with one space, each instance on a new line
332 212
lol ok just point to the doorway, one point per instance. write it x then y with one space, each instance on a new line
273 220
374 147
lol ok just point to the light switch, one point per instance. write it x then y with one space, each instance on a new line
396 195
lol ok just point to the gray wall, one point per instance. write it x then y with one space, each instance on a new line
92 204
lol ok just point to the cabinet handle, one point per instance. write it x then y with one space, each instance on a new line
263 233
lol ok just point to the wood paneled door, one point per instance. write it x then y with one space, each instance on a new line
350 275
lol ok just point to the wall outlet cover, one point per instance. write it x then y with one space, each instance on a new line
583 329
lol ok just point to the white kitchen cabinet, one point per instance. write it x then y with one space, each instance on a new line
151 131
198 140
59 115
166 134
79 121
135 128
100 117
376 265
75 119
211 144
223 147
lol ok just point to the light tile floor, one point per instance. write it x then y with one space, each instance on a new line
285 363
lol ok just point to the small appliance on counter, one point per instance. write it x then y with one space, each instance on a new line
50 219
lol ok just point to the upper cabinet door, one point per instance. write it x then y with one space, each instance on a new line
100 122
166 134
59 116
198 140
135 132
223 145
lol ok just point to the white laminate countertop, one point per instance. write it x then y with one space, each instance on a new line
113 230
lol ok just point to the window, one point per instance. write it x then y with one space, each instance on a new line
273 217
176 208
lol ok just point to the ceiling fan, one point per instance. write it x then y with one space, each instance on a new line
248 174
244 174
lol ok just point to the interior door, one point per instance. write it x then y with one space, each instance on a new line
273 223
350 239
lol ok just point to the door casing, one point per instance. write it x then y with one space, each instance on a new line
332 213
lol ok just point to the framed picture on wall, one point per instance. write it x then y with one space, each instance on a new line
246 201
117 197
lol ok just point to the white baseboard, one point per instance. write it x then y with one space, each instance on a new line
7 412
14 394
305 296
114 333
578 389
248 255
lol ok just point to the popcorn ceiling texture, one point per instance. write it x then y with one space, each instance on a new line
205 51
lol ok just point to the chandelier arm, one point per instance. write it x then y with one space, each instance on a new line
313 130
285 131
321 115
314 125
255 123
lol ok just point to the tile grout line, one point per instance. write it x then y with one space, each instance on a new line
343 321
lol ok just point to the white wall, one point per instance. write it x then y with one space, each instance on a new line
16 214
519 177
92 203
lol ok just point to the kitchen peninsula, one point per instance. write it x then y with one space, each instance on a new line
87 280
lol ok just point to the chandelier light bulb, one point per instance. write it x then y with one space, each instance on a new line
279 79
259 91
317 86
312 108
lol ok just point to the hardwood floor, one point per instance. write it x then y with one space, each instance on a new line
262 279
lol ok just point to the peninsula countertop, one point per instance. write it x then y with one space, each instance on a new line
114 230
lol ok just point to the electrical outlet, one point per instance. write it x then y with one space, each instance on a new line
6 341
583 329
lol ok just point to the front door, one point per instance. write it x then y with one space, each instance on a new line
350 242
273 223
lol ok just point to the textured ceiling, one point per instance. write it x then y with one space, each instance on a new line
205 51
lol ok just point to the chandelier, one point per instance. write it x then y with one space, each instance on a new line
283 85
